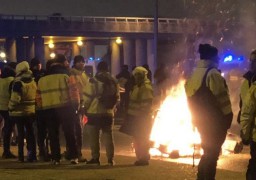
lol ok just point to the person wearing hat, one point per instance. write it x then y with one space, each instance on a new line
81 80
22 109
246 116
7 77
58 98
212 129
38 72
36 68
100 99
138 123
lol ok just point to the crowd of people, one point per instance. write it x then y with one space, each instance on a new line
38 102
50 98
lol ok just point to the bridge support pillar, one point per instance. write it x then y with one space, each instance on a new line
129 53
150 55
141 52
10 47
30 53
90 49
20 49
39 49
76 49
115 58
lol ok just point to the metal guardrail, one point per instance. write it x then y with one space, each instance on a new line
98 24
92 18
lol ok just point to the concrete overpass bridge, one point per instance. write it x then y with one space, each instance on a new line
24 37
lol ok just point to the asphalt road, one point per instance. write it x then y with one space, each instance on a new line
231 166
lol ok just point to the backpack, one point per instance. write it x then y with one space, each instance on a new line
109 96
204 107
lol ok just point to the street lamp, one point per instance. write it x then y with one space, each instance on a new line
2 55
80 43
118 40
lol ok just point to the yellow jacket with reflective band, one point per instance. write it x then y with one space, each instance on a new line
214 81
91 99
4 92
244 89
249 78
248 114
56 90
23 104
81 80
140 100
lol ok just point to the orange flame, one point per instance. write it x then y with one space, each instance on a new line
172 126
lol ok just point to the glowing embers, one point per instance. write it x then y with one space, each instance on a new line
172 133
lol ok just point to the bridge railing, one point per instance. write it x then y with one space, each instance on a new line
112 24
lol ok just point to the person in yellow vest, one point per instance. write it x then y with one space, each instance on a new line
249 78
7 77
139 117
81 80
58 97
212 130
100 99
246 116
22 109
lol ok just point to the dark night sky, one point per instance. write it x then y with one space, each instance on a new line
140 8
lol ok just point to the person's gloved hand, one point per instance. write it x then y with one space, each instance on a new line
246 142
82 110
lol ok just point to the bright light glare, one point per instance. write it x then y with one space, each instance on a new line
52 55
118 40
2 55
80 43
51 45
228 58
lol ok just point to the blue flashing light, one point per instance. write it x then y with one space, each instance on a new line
91 59
98 59
228 58
240 58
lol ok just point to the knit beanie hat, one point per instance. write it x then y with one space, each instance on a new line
34 62
22 67
102 66
60 58
207 51
78 59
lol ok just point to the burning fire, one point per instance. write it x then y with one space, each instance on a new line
172 130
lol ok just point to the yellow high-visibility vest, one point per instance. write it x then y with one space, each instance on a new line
4 92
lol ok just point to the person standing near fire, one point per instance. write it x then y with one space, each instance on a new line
212 129
138 121
81 80
7 77
100 99
247 116
58 97
22 109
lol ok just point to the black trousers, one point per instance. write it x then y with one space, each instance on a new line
79 133
42 134
251 170
212 140
7 130
64 116
25 130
